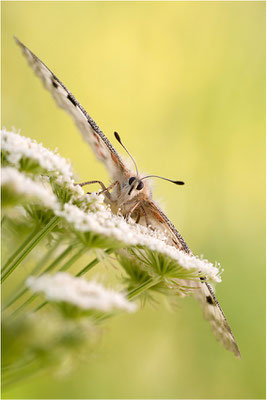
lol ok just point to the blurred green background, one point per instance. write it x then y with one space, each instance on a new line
184 85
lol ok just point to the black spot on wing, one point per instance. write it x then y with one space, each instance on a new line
72 100
54 83
209 300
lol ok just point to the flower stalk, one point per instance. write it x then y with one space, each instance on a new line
20 292
150 283
19 251
30 246
89 266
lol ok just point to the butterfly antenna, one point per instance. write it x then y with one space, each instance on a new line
120 142
165 179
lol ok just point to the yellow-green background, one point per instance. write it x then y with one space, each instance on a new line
184 85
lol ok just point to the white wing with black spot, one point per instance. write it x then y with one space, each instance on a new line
215 315
202 290
91 133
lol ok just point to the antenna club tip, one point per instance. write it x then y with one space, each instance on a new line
178 182
117 136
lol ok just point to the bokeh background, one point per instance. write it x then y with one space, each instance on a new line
184 85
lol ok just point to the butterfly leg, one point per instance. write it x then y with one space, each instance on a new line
132 210
104 189
138 217
145 215
90 182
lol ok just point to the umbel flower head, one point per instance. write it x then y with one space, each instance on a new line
87 295
104 222
19 188
86 216
26 154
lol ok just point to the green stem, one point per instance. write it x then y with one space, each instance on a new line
103 316
32 243
92 264
58 259
29 370
76 256
12 301
49 268
19 250
41 306
143 287
44 260
28 301
15 366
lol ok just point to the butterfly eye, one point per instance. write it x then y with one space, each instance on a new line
131 180
140 186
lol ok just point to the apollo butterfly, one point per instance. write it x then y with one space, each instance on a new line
129 194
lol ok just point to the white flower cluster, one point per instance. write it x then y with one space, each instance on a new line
23 185
18 146
99 219
105 223
63 287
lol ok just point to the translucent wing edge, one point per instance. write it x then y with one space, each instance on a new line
32 58
214 314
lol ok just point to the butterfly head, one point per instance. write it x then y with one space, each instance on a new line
135 184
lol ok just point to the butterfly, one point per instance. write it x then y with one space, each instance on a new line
129 193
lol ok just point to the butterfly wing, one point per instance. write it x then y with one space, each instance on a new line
157 217
91 133
215 315
204 293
